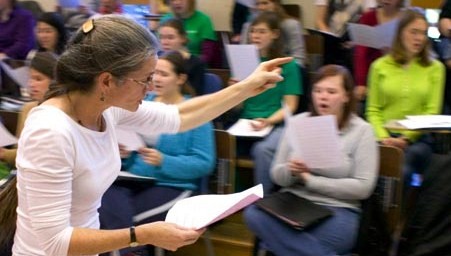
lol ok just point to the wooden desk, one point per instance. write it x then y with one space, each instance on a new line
441 137
9 119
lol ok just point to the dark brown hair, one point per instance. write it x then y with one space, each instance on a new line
398 51
348 85
179 67
273 22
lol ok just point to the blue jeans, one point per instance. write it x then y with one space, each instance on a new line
335 235
417 158
263 153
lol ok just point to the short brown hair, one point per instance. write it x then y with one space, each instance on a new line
348 85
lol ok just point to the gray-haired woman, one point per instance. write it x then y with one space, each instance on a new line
68 155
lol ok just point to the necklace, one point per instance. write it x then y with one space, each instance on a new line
99 126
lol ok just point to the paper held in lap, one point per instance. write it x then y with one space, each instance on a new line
200 211
315 141
243 128
427 122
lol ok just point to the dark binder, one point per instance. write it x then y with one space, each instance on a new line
127 179
296 211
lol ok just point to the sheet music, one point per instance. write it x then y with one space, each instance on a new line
131 176
375 37
315 140
19 75
200 211
244 128
222 19
243 59
130 139
6 138
426 121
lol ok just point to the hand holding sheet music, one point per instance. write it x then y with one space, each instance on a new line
200 211
315 140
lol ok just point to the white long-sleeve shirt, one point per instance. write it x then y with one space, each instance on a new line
64 169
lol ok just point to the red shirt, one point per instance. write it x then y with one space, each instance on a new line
364 56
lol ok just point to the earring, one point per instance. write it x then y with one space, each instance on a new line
102 97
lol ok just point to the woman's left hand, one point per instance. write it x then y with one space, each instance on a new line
151 156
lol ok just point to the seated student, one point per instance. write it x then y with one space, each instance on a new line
267 109
16 30
290 30
364 56
51 33
177 161
406 82
202 39
173 37
340 189
41 75
332 16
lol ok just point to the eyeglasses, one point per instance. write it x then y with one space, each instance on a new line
145 84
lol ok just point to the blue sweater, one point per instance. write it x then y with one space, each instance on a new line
187 156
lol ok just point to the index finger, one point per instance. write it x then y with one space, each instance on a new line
274 63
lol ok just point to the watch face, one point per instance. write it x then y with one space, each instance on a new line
134 244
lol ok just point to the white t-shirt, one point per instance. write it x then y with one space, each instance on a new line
64 169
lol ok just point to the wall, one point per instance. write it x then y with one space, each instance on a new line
308 11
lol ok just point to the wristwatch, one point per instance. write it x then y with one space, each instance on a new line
133 241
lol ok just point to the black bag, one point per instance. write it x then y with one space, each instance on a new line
428 227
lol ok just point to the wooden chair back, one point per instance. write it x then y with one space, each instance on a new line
391 179
225 155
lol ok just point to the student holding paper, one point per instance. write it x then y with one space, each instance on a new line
267 109
406 82
332 17
387 11
340 189
290 30
176 161
68 153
